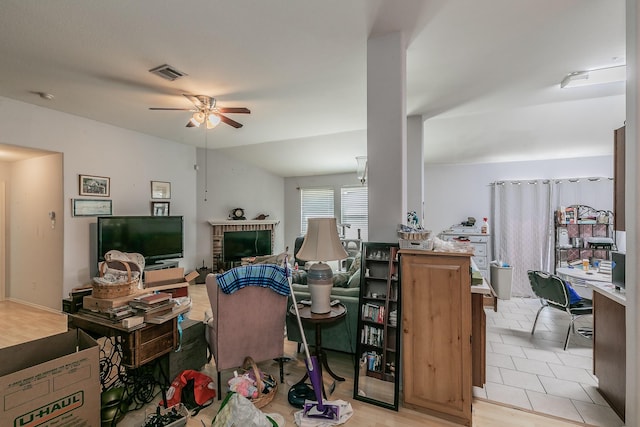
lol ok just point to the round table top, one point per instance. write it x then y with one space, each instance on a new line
338 311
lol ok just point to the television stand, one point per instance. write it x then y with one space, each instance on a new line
161 265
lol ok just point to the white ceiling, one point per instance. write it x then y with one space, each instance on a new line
484 74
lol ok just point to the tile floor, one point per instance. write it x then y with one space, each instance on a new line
534 372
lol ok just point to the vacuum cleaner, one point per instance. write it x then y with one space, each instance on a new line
317 409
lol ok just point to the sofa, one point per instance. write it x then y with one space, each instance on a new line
340 336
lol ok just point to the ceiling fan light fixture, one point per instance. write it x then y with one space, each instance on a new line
194 122
198 117
212 121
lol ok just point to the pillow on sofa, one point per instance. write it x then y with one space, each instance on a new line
341 280
354 280
299 276
355 265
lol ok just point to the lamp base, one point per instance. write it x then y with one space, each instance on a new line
320 281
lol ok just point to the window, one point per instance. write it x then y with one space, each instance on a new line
354 211
315 203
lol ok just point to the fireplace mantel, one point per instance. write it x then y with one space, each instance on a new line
235 222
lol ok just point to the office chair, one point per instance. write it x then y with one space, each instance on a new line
553 293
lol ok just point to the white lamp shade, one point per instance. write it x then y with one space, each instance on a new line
322 242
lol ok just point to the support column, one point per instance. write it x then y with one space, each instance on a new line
632 214
415 167
386 135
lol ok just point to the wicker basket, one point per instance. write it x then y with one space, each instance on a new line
115 290
264 398
414 235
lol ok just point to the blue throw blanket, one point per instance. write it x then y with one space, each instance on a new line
265 275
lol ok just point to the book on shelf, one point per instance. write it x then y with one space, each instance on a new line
373 312
372 335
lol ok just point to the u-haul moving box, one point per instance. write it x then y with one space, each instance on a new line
51 382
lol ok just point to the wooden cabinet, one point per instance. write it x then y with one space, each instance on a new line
618 177
436 333
610 350
378 338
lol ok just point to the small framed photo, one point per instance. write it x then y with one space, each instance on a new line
94 185
91 207
160 208
160 190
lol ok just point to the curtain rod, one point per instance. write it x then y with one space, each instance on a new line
547 181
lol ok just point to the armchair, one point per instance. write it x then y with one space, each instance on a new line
247 322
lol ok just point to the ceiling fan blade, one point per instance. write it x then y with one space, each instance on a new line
229 121
172 109
234 110
201 101
190 124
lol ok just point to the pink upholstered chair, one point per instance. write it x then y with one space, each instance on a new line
247 322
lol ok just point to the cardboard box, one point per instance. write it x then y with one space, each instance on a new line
53 381
168 277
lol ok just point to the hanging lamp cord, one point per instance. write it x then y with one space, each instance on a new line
206 162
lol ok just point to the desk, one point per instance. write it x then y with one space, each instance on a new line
609 343
338 311
578 279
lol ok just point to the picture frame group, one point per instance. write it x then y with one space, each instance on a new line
160 190
160 208
92 185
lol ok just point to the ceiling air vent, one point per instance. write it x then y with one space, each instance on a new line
167 72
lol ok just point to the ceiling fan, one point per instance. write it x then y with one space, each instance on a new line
205 111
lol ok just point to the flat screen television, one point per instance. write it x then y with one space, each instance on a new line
618 273
157 238
240 244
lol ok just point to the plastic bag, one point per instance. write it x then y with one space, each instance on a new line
237 410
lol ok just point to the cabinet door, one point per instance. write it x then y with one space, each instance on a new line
436 327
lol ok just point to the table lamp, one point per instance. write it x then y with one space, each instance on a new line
321 243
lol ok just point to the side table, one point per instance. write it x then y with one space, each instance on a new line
338 311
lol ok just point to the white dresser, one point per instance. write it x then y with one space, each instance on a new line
481 246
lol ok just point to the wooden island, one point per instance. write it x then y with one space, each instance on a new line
443 345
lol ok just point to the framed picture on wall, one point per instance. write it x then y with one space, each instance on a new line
160 208
160 190
91 207
91 185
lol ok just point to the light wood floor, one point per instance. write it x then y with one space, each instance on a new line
21 323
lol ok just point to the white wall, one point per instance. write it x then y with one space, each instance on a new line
455 192
132 160
452 192
233 184
34 257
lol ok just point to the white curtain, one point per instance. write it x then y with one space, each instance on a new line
594 192
523 229
523 221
